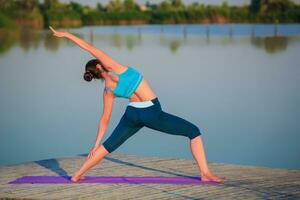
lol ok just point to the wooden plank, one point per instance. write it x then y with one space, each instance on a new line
242 181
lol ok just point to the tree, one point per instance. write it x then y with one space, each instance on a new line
4 4
114 5
51 4
129 4
177 4
76 7
255 6
27 5
100 7
225 9
275 6
270 6
165 5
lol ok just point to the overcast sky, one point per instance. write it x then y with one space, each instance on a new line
232 2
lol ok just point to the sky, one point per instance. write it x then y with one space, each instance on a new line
231 2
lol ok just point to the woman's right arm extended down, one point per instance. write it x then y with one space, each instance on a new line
108 99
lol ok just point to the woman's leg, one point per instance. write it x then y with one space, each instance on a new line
126 127
198 152
100 153
172 124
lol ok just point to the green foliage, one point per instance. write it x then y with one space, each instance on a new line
51 4
23 9
177 4
96 17
165 5
63 13
100 7
167 11
8 33
114 6
255 6
129 5
78 8
6 23
273 10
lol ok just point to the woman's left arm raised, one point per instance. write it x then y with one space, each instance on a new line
99 54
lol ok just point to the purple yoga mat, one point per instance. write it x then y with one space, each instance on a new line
111 180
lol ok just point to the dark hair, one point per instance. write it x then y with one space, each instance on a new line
91 71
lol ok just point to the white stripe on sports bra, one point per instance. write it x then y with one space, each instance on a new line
141 104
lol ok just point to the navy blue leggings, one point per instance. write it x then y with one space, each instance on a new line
152 117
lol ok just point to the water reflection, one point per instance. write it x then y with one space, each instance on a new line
51 43
130 42
7 40
91 36
140 35
271 44
116 40
172 43
30 39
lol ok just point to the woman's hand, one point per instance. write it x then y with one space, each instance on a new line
58 33
92 152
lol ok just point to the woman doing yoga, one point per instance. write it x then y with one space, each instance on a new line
144 109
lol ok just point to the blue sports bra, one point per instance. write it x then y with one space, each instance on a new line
128 82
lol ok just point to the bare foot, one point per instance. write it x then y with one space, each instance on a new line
76 178
211 177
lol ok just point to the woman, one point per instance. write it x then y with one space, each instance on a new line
144 109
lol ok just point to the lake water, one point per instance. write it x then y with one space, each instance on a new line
238 83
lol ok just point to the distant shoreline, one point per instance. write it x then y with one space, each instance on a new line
75 24
66 15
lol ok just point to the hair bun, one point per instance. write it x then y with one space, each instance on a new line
88 76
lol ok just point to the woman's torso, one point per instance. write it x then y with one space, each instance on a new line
142 93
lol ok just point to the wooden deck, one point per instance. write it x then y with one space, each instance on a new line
242 182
